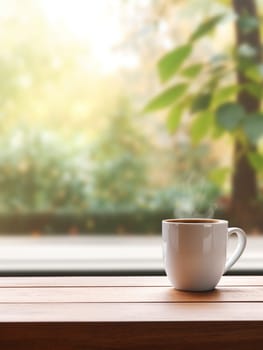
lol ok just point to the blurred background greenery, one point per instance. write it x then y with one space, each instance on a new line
78 152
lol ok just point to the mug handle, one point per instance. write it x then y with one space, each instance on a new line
242 241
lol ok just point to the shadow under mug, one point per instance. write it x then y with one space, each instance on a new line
195 250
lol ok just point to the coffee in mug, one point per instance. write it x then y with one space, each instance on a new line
195 250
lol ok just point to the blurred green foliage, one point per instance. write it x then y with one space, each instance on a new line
41 172
120 166
68 146
210 103
207 91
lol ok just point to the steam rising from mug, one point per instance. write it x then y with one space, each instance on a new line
193 201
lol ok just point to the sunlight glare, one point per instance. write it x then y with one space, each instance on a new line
94 22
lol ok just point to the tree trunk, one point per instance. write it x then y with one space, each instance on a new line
244 208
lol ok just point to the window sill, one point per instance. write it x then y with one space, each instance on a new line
101 255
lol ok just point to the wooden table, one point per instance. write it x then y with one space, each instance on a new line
129 313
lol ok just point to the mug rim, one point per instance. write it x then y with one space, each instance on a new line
194 221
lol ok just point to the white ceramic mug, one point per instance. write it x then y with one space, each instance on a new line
194 251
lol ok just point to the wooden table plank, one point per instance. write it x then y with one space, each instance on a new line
89 281
132 281
131 336
68 313
127 295
130 312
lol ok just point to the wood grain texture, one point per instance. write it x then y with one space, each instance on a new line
129 281
127 295
64 313
131 336
130 312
